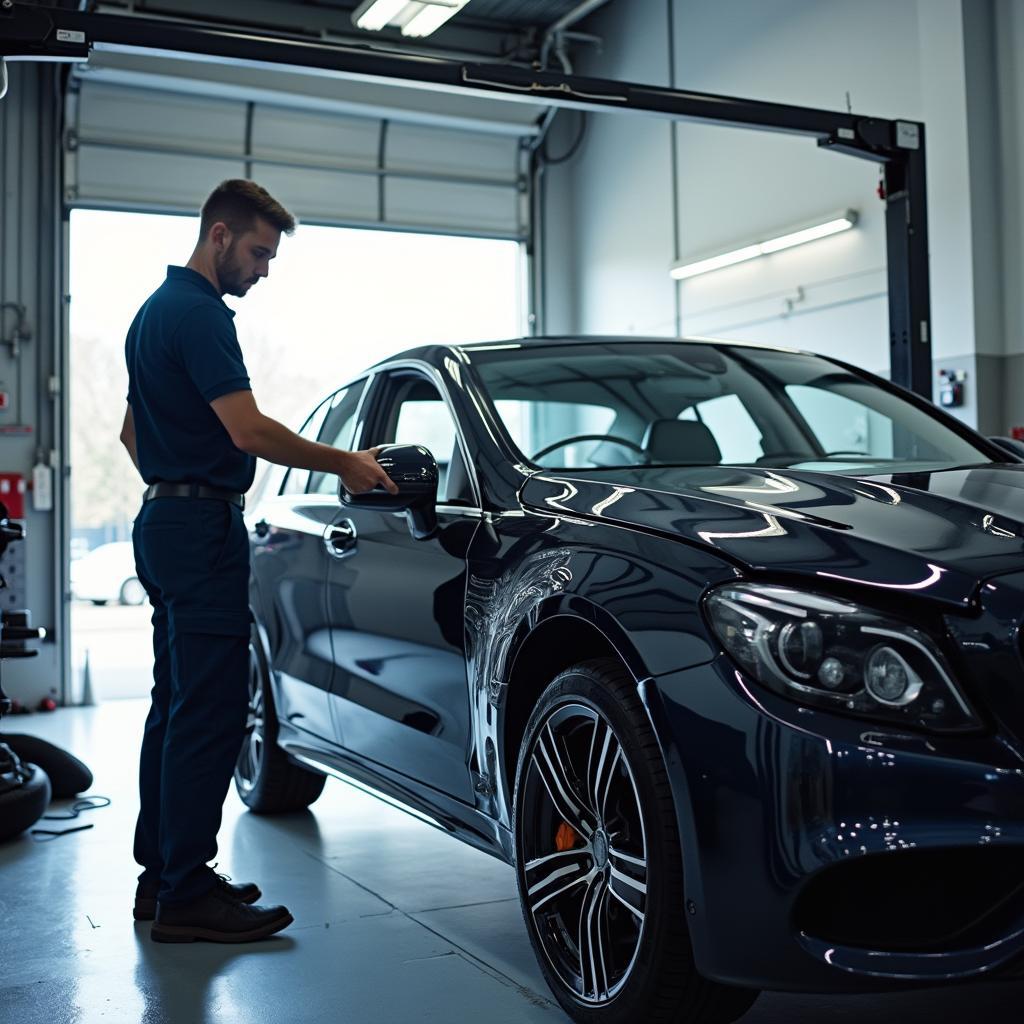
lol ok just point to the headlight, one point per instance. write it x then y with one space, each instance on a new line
838 655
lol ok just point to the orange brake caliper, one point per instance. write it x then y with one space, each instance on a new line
565 837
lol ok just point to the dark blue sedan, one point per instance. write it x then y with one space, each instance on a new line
718 644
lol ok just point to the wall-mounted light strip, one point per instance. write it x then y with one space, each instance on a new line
798 236
415 17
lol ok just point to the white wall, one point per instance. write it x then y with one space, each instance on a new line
622 198
926 60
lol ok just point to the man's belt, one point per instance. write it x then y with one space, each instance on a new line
163 490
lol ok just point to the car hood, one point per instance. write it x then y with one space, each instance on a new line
938 534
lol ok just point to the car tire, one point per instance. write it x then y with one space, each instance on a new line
597 843
132 592
267 780
22 806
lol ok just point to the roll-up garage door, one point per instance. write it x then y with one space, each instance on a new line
158 134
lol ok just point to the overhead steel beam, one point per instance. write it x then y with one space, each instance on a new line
29 32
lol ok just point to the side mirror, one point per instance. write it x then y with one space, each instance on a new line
414 470
1011 445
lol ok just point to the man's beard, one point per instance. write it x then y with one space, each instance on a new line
230 274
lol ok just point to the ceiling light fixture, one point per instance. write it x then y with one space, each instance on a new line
373 15
416 18
798 236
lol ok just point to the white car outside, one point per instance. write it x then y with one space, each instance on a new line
107 573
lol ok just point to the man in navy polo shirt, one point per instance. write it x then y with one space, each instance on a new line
193 430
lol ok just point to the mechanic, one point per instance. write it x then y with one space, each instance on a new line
193 429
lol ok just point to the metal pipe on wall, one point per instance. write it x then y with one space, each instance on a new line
563 23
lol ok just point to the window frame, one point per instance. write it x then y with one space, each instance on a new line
325 406
365 380
378 407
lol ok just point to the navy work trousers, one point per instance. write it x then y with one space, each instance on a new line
192 556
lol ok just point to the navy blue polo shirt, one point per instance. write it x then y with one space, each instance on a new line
182 353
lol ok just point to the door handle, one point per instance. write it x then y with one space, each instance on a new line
340 539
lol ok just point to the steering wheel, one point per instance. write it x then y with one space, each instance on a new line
587 437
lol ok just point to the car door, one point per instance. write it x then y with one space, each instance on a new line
289 570
400 696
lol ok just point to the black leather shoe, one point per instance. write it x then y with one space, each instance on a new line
217 917
145 895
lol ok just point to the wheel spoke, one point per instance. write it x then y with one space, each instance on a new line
595 973
604 757
618 876
630 892
255 756
558 882
549 766
628 858
556 860
638 914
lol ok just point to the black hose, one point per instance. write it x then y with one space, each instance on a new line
554 161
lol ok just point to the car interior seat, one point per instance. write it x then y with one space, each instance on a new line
682 441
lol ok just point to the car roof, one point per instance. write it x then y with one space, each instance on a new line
430 352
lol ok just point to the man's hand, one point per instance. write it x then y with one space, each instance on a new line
360 472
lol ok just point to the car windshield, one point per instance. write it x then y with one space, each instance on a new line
616 404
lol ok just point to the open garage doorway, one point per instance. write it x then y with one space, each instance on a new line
336 300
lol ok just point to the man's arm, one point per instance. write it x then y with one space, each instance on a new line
266 438
128 435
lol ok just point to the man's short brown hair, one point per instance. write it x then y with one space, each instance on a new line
237 203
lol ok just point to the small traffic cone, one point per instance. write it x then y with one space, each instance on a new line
88 697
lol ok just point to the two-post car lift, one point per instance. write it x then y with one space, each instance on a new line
45 33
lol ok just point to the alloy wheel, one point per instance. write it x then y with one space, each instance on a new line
583 852
250 757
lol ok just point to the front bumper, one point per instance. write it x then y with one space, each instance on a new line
824 854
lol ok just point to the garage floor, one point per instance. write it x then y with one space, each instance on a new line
394 921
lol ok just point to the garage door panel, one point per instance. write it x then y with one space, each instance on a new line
144 148
298 136
449 206
416 148
324 196
149 117
119 177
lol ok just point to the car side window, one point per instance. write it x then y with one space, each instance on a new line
338 431
419 415
842 424
296 479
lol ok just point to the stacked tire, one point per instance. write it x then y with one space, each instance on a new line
25 793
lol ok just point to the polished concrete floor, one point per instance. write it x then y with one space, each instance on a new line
395 922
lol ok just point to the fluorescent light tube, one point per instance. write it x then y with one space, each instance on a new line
432 17
832 227
845 221
373 15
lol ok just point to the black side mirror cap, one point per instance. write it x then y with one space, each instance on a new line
1011 445
414 469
